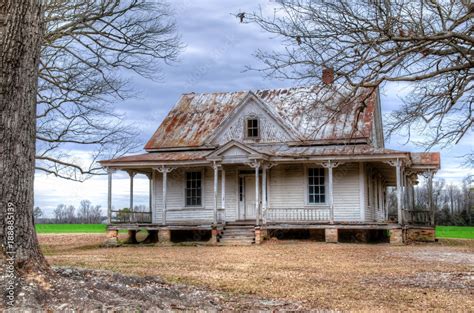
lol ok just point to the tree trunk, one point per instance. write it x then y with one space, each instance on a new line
20 40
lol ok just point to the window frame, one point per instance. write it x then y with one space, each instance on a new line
246 127
306 187
201 205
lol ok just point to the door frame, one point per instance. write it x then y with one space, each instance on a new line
241 208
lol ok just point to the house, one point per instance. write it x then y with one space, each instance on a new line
241 164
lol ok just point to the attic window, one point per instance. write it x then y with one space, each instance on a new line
252 127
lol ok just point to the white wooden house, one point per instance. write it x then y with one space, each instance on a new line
270 159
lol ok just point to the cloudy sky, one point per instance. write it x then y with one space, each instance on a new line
218 48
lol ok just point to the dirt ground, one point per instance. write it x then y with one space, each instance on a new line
295 274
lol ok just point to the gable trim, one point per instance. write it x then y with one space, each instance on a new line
292 133
252 153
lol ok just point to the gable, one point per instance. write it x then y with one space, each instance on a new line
309 114
234 151
193 119
271 129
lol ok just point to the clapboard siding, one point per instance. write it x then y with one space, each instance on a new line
175 200
287 186
346 193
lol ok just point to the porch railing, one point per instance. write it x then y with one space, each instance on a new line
296 215
420 217
130 217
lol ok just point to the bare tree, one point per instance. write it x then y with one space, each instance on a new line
37 213
20 43
88 48
428 44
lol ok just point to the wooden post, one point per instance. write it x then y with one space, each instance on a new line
131 174
362 190
165 191
331 194
257 198
164 170
264 192
216 178
150 194
430 197
109 195
399 192
223 189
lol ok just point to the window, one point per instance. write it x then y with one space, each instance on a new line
316 190
252 127
193 189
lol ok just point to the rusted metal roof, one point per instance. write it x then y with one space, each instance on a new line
193 119
314 113
283 150
323 113
156 157
426 159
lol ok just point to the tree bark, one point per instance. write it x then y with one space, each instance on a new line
20 41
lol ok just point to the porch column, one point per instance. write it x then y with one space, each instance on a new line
150 195
132 175
109 196
216 178
430 197
223 188
164 170
362 190
399 191
331 194
257 198
264 192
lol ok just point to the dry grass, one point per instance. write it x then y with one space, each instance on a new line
324 276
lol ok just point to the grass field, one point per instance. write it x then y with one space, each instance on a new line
69 228
441 231
465 232
345 277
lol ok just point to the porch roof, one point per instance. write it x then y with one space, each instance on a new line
283 153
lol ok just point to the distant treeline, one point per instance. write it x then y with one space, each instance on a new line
68 214
454 204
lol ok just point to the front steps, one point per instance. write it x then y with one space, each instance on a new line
238 234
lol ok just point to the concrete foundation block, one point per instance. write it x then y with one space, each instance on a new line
258 235
331 235
111 239
164 235
214 236
422 234
396 236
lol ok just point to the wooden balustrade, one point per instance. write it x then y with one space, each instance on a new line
130 217
418 217
296 215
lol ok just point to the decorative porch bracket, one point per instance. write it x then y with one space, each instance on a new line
164 170
330 165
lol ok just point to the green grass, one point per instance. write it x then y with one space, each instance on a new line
464 232
69 228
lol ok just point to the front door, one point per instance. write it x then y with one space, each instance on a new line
247 208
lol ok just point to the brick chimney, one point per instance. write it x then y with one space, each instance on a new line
328 75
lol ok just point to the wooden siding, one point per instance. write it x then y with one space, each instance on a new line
287 186
346 192
175 202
